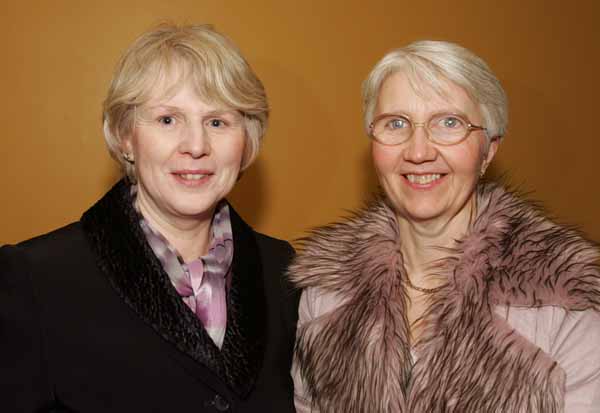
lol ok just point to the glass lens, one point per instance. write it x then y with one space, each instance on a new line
392 129
447 129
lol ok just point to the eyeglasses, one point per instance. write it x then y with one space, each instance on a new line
444 128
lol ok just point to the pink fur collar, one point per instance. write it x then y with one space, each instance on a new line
356 358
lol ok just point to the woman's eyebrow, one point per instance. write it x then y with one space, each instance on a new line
450 111
218 112
164 107
213 112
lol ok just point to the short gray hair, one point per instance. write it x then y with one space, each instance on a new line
430 63
198 54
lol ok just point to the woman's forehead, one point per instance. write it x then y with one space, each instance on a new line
401 92
183 98
166 87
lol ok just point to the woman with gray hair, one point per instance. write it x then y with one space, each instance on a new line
161 298
446 294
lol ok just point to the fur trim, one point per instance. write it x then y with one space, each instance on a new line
356 358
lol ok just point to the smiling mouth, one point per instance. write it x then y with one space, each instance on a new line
192 177
422 179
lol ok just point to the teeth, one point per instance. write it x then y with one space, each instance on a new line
192 176
422 179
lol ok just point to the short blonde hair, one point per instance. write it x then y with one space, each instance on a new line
431 63
198 54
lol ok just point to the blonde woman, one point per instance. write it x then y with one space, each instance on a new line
447 294
161 298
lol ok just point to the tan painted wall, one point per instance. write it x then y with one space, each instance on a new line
57 59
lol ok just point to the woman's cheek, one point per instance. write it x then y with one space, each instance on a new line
384 158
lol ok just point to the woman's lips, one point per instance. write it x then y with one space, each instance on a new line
192 178
423 181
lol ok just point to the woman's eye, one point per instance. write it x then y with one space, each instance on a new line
166 120
451 122
216 123
398 123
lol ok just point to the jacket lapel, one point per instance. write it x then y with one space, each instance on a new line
243 347
124 256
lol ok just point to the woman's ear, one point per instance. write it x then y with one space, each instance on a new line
491 152
127 149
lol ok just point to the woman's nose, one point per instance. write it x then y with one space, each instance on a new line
196 141
419 148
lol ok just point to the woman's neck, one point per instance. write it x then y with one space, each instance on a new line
423 243
190 237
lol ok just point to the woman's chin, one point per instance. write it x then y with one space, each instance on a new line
191 208
423 217
423 210
198 212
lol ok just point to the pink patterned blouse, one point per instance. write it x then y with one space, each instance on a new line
201 283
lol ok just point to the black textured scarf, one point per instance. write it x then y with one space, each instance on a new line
111 226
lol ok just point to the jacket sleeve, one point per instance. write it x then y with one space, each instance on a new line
23 378
575 347
291 295
302 399
571 338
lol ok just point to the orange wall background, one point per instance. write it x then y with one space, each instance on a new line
58 57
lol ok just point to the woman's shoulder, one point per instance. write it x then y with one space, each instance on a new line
42 257
275 256
375 222
46 246
332 256
271 243
242 232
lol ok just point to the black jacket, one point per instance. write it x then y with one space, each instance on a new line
90 322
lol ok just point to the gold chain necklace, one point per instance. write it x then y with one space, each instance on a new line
421 289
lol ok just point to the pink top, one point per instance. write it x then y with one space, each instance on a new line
572 338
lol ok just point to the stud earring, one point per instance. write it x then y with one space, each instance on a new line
128 157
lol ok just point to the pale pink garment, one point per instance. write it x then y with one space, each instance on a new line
572 338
